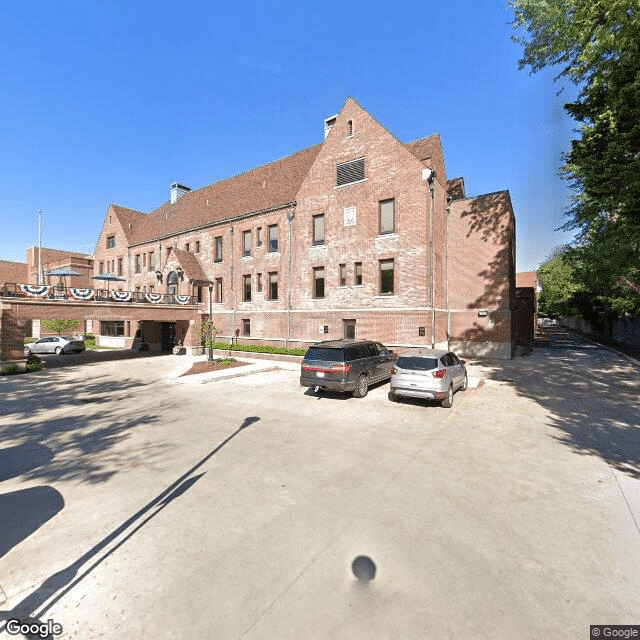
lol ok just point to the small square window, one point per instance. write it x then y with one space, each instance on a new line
111 242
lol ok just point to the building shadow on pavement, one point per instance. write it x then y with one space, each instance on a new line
35 605
592 395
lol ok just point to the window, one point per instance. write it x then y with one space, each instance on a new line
343 275
273 285
358 273
101 267
350 172
349 128
120 267
387 216
273 238
144 259
386 277
152 261
186 246
246 288
111 242
318 282
114 328
197 246
198 293
138 268
246 243
246 327
318 229
349 327
259 282
218 297
218 257
260 235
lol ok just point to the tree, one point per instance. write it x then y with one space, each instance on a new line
558 286
597 45
60 326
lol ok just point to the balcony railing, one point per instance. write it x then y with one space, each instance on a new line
79 294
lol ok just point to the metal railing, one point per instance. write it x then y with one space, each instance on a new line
59 292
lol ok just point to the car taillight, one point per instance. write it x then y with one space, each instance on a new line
394 371
440 373
342 368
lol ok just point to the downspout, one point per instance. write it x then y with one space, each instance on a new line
446 274
290 216
431 262
233 292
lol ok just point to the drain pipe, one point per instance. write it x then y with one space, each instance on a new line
429 175
232 291
290 217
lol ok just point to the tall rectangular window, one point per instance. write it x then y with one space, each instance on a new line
152 261
260 239
186 246
197 246
198 292
386 277
273 285
100 267
358 273
318 229
349 329
138 263
218 254
246 288
258 282
318 282
111 242
387 216
343 275
218 297
273 238
144 259
120 267
246 243
246 327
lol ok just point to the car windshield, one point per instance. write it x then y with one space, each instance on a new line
320 353
414 362
65 338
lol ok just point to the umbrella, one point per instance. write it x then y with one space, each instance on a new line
63 272
108 277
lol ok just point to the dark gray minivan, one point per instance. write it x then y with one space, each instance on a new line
346 365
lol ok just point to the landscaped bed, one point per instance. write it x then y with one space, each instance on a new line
215 365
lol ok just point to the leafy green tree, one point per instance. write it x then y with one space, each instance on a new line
558 286
596 46
60 326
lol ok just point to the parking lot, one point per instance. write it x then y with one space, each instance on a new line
133 507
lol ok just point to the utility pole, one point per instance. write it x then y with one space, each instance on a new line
40 274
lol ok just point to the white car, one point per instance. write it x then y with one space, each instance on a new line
55 344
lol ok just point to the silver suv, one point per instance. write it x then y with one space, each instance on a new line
431 374
346 365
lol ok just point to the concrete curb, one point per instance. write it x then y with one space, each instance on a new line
632 360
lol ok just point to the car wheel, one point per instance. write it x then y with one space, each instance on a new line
447 403
393 396
58 351
362 386
465 383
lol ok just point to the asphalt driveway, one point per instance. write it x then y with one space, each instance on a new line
236 509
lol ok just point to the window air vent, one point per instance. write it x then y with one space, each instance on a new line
350 172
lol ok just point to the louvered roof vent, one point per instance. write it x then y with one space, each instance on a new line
350 172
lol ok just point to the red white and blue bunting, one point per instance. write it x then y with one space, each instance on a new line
154 297
182 299
81 294
35 292
121 296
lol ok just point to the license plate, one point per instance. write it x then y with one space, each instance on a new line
319 374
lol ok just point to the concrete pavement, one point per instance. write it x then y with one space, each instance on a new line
235 510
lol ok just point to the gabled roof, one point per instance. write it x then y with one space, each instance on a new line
423 148
455 188
129 220
189 263
267 187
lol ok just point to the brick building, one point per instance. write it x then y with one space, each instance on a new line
361 235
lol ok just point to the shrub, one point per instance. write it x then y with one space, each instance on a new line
258 348
34 365
12 369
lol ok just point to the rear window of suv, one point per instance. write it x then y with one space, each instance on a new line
328 355
415 363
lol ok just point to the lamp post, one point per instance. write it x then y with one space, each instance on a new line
210 354
40 274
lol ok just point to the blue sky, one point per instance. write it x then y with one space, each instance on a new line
111 101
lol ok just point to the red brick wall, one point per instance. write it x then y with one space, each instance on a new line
14 272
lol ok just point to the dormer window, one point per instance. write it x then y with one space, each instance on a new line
349 128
